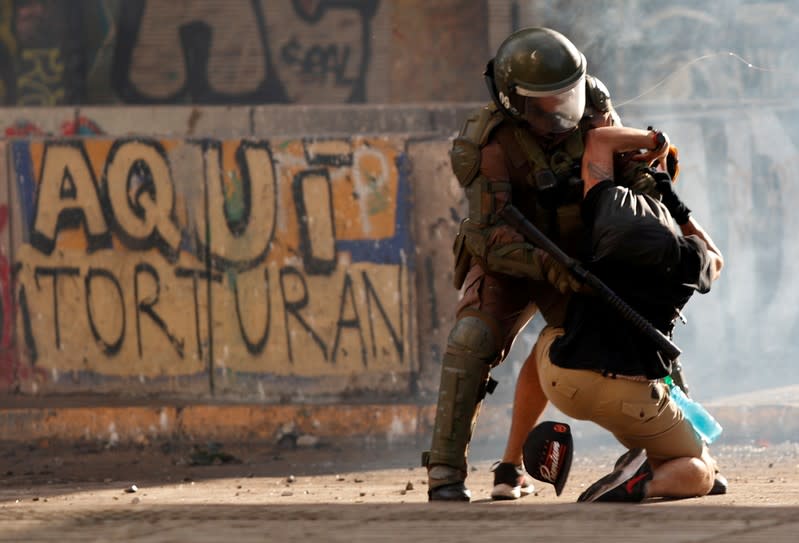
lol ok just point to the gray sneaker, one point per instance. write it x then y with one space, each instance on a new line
626 483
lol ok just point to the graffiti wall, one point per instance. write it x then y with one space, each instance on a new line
240 267
377 51
276 52
237 51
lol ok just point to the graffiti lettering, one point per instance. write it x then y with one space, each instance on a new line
40 81
204 276
253 347
110 347
318 62
30 342
266 262
140 190
371 296
347 298
314 201
146 304
231 198
55 273
277 57
67 196
293 307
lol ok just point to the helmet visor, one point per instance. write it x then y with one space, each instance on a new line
553 113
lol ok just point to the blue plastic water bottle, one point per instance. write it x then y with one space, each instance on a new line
703 422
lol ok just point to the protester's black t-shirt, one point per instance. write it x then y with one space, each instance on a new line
634 250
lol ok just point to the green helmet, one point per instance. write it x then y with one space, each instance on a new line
538 75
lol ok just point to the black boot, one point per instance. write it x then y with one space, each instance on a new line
446 484
453 492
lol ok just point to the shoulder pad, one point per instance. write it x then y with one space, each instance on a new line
597 93
479 125
465 153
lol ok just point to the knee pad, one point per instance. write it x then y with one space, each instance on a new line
472 337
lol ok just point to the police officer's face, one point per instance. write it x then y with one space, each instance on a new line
556 113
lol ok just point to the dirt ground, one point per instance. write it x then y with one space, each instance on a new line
359 492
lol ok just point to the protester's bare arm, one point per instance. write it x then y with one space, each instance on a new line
597 165
603 142
693 228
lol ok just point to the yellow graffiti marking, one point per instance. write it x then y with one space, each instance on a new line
6 31
41 84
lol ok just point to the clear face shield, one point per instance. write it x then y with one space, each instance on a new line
553 113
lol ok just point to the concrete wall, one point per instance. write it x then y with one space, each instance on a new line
383 267
239 51
60 52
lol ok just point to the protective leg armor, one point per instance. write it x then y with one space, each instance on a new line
471 352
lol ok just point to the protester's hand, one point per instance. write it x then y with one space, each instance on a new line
657 151
676 207
556 273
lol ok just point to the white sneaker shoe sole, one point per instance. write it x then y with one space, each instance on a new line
504 491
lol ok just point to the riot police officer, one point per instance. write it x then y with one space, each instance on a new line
523 148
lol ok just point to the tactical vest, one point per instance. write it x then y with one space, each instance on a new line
554 173
552 176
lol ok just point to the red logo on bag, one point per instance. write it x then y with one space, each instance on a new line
561 428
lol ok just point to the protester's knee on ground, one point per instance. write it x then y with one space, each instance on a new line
702 473
697 472
709 467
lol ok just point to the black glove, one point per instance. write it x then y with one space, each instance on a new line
676 207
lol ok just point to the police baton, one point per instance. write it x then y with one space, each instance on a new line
514 217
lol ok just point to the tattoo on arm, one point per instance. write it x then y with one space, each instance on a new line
599 172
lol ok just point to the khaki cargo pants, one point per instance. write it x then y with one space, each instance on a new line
639 413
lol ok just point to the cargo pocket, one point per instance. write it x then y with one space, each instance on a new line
640 411
562 395
564 389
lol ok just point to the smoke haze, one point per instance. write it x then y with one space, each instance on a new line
721 79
